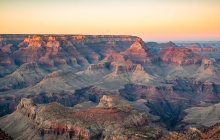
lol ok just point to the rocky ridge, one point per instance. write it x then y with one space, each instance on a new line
111 119
72 69
211 133
180 56
196 48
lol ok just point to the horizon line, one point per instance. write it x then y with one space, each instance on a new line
144 39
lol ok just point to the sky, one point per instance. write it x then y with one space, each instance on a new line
152 20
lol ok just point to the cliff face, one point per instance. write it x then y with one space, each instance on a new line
105 65
71 69
199 49
211 133
197 116
180 56
157 47
169 102
46 48
34 48
107 121
26 75
138 52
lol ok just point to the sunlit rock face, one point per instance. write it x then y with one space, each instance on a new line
138 52
180 56
163 79
44 48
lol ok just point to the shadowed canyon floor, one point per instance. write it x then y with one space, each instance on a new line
176 86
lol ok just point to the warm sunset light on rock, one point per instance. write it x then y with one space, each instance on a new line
110 69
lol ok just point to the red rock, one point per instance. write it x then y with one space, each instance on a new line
209 49
52 46
196 48
139 53
210 133
180 56
45 49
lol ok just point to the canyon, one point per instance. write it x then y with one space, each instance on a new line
81 74
112 118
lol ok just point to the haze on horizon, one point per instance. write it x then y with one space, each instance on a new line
157 20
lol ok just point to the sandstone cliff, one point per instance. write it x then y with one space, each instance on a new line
180 56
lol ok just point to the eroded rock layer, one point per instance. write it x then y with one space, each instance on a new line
164 78
111 119
210 133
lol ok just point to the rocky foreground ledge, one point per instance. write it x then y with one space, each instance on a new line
4 136
111 119
206 133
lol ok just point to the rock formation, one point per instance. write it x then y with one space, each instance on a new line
157 47
180 56
199 116
207 70
26 75
5 59
5 136
196 48
111 119
210 133
139 53
73 69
